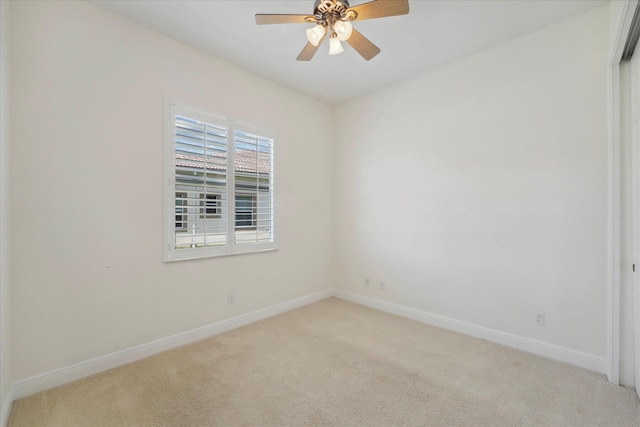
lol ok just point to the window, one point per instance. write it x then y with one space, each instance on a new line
181 220
210 205
246 212
219 196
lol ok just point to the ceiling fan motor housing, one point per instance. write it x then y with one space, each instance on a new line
337 8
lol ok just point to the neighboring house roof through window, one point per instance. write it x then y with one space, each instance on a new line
245 161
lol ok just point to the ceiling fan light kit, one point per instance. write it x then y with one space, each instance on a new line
315 34
343 29
335 47
334 17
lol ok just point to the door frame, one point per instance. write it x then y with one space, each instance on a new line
634 153
620 31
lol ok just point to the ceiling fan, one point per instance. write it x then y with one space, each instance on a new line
334 17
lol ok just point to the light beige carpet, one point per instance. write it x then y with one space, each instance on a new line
336 363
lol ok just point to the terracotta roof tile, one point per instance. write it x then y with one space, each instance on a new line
245 161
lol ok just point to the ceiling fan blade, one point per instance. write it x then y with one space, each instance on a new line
265 18
361 44
308 51
381 8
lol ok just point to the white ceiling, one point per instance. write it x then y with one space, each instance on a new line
432 34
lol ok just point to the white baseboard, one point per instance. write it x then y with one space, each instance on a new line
539 348
5 409
38 383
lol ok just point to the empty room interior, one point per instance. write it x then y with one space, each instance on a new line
331 212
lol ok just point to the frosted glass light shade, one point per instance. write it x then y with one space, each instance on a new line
343 29
335 47
314 35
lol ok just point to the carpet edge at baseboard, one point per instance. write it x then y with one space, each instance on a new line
37 383
539 348
57 377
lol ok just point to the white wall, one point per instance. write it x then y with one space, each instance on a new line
87 100
5 291
478 190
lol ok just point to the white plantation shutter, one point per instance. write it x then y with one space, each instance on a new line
200 177
253 188
209 211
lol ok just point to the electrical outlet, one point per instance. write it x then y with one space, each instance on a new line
539 319
231 298
367 282
383 285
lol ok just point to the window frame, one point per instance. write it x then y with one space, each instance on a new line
170 253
